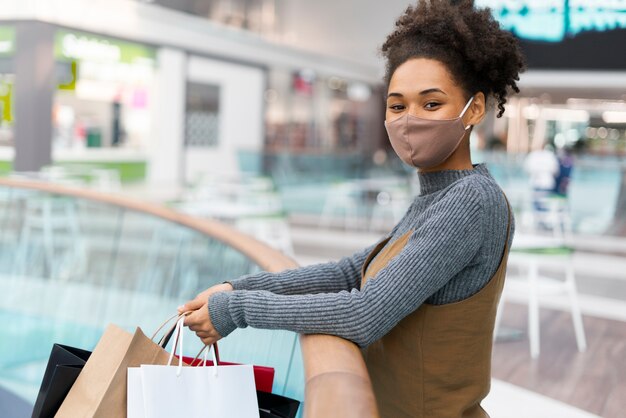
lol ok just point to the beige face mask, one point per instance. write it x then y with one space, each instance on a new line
426 143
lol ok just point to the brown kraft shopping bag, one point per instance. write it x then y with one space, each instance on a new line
100 390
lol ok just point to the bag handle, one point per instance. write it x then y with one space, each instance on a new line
178 342
216 355
166 338
206 354
168 335
163 324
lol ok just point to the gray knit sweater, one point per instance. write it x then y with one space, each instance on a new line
459 223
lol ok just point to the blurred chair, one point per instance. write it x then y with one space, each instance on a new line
528 258
548 214
105 180
227 187
341 198
556 216
263 201
272 230
71 177
390 204
56 219
11 215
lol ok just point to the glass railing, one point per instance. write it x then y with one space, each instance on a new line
307 183
593 180
73 261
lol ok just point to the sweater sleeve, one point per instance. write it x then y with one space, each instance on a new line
329 277
445 240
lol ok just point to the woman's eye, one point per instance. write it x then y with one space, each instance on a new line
396 107
431 105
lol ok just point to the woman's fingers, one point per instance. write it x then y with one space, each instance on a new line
199 321
208 337
191 320
210 340
192 305
200 299
203 297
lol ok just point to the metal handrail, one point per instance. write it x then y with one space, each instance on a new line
264 256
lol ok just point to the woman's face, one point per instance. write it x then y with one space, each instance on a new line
423 87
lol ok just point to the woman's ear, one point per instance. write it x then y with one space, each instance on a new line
477 109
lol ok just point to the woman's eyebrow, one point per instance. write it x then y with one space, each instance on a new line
422 93
432 90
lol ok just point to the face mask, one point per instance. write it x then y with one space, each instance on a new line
426 143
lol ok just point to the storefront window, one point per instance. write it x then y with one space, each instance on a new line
307 112
7 81
202 115
104 89
259 16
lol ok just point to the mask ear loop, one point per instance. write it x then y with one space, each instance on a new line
464 109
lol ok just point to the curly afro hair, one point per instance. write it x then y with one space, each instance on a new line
469 41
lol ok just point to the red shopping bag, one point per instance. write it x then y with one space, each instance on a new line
263 376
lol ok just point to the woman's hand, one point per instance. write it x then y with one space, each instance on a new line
199 319
203 297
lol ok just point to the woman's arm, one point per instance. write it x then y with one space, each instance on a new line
438 249
329 277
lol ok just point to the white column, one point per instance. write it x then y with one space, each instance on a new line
165 147
240 116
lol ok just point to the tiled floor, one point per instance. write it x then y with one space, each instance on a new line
509 401
592 380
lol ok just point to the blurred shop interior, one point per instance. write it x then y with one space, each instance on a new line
267 115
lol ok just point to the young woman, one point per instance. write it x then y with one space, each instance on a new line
421 303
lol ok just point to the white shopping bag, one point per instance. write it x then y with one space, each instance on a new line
205 391
134 394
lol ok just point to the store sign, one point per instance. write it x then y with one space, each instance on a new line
79 46
6 99
7 41
555 20
566 34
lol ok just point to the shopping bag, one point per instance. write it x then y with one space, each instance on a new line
263 376
157 391
100 389
276 406
64 365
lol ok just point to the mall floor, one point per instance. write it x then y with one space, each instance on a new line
592 381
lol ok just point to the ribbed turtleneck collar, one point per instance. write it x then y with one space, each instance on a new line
433 181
